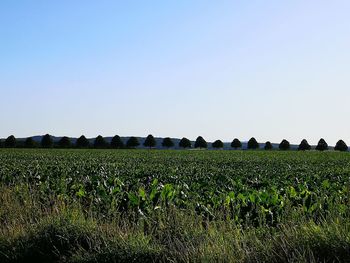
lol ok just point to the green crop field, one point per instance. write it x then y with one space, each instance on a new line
180 206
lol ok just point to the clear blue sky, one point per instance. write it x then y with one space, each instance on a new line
220 69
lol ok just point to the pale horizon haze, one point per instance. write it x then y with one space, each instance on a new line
271 70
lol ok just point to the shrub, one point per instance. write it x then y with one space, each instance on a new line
133 142
29 143
64 142
268 146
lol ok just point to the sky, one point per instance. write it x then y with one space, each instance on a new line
220 69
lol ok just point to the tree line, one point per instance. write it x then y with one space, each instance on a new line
150 142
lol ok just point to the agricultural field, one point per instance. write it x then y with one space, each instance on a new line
178 206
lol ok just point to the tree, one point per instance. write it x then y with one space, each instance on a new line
218 144
236 144
200 143
253 144
10 142
100 142
150 141
46 141
341 146
304 146
29 143
268 146
64 142
284 145
133 142
322 145
185 143
117 142
167 142
82 142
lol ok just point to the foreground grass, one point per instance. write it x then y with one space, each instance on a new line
33 232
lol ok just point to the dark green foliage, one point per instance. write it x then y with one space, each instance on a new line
149 141
64 142
100 142
268 146
132 142
167 142
0 143
117 142
29 143
236 144
218 144
322 145
341 146
284 145
185 143
46 141
82 142
253 144
304 146
200 143
10 142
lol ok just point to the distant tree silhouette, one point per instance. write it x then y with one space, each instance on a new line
117 142
10 142
322 145
217 144
253 144
100 142
149 141
0 143
200 143
304 146
64 142
268 146
341 146
236 144
82 142
185 143
167 142
133 142
46 141
29 143
284 145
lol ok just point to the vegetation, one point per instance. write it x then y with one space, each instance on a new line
150 142
253 144
178 206
185 143
304 146
341 146
46 141
322 145
236 144
117 142
132 142
82 142
100 142
29 143
168 142
64 142
284 145
200 143
218 144
268 146
10 142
